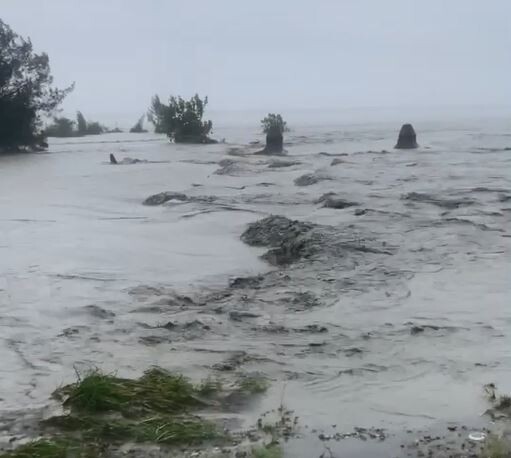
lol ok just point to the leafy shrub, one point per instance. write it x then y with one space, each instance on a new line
181 119
26 91
274 123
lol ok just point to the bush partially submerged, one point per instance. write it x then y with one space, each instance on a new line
181 120
65 127
274 127
156 390
104 412
274 123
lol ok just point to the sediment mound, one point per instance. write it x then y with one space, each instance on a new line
449 204
162 197
331 200
310 179
273 231
291 241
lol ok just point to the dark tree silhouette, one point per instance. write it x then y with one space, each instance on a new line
26 91
61 127
81 123
274 127
138 128
181 119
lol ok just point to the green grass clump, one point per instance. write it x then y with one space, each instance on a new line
496 447
40 449
253 385
157 429
157 390
269 451
209 387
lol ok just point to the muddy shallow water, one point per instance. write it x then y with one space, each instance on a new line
393 312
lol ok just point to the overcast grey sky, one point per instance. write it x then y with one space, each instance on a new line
272 54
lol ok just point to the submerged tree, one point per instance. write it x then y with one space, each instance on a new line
26 91
181 119
138 128
81 123
94 128
61 127
65 127
156 115
274 127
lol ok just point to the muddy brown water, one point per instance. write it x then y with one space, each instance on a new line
392 315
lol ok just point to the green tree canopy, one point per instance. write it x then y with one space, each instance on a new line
181 119
26 91
274 123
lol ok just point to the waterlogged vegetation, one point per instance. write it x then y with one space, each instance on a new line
181 120
104 411
272 450
274 127
64 127
496 447
27 93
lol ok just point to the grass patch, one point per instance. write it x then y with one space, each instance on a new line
253 385
162 429
159 430
157 390
105 411
210 387
45 448
269 451
496 447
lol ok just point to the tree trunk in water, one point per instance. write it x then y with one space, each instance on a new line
407 138
274 142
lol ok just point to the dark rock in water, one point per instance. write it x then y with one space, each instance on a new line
309 179
238 315
330 200
129 160
304 301
407 138
281 164
99 312
360 211
195 324
414 330
228 167
293 241
273 231
449 204
162 197
113 160
337 161
338 203
246 282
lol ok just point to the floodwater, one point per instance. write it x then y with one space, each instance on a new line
87 272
